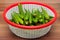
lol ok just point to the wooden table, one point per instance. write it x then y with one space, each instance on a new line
54 34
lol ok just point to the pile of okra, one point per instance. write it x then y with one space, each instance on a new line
30 18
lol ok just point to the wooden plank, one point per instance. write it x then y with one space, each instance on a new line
6 34
42 1
56 6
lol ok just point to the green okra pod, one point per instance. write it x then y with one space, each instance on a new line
34 13
18 18
42 20
26 22
21 12
26 16
14 18
39 14
35 20
30 18
20 8
46 21
50 17
45 13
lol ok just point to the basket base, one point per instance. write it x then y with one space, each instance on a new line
30 33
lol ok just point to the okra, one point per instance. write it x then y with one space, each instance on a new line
20 8
34 13
26 22
46 21
30 18
35 20
42 21
45 13
21 12
39 14
14 18
26 16
50 17
18 18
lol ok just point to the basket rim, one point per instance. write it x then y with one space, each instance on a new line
30 27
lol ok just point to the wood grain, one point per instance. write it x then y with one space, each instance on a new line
6 34
42 1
